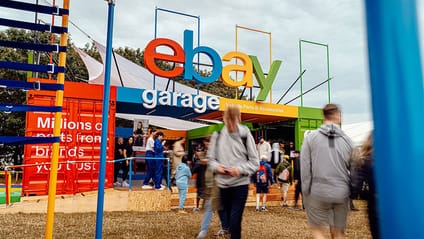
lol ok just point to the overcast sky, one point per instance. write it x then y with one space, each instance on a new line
340 24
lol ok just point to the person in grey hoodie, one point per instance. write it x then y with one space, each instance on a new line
182 176
325 162
232 156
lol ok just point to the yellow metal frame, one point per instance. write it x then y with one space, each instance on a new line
270 50
56 132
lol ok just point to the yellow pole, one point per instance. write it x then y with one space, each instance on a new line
236 60
56 132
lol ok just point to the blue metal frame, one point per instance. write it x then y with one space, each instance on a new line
198 34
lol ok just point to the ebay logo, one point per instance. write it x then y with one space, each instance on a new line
184 56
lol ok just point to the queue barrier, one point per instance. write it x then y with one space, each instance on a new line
11 169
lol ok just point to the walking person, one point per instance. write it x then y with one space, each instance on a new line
363 172
182 176
233 158
178 153
263 179
150 153
325 175
297 181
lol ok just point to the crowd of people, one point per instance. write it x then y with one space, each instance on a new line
325 173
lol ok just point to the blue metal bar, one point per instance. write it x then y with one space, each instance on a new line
17 140
397 103
33 46
25 108
175 12
105 121
52 69
33 26
167 178
34 7
36 85
155 36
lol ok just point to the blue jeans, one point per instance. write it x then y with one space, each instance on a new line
150 168
233 200
158 173
207 215
183 194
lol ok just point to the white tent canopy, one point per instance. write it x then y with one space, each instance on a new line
358 132
163 121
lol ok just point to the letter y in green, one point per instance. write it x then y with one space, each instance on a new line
264 82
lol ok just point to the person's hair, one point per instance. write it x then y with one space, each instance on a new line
160 133
180 138
367 147
184 159
330 110
232 112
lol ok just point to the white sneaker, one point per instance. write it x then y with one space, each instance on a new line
202 235
117 184
147 187
125 184
161 188
196 209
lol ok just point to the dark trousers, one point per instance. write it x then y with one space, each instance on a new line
158 175
233 200
150 172
116 168
297 192
125 169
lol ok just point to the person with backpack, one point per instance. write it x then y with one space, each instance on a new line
283 176
233 158
262 178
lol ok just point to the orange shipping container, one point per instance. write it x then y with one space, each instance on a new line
80 140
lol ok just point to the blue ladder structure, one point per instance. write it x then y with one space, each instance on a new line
58 70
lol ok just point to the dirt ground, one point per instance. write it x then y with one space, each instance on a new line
277 223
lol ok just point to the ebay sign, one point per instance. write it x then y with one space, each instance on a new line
184 55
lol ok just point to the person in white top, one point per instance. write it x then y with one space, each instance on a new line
263 147
149 162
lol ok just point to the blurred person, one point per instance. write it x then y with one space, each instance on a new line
199 168
283 176
363 172
276 157
262 179
150 153
119 154
178 153
182 176
263 147
233 158
325 175
296 178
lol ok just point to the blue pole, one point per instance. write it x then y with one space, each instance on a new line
105 114
156 33
398 111
130 174
168 180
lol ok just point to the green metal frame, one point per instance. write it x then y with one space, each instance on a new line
300 64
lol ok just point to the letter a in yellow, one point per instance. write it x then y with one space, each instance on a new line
246 68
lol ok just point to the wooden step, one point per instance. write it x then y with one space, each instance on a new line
273 197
